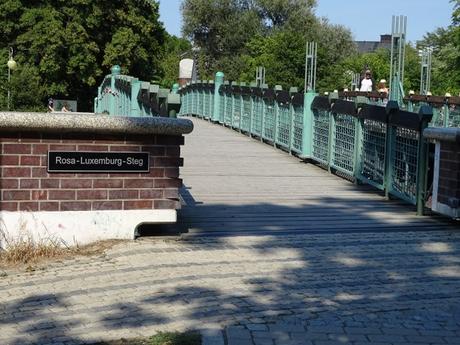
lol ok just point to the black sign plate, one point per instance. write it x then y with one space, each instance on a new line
65 161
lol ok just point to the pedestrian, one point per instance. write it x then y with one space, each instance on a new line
50 105
383 86
65 108
366 83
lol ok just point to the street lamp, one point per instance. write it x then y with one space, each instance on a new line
11 66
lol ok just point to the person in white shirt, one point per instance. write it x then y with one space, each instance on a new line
366 83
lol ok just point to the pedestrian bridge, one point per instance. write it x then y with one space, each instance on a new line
235 185
276 161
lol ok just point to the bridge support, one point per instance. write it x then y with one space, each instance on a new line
307 138
123 172
218 82
398 48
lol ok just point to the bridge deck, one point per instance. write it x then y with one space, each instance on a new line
236 185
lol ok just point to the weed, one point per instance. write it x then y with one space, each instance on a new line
162 338
25 250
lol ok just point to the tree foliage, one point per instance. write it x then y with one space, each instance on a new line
70 44
174 49
236 36
445 43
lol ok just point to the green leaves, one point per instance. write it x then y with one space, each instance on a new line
70 44
237 36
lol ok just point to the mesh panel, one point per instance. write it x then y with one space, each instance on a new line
320 135
269 121
211 104
298 129
202 103
246 115
284 125
343 147
195 102
206 104
257 107
373 151
454 116
228 109
236 111
404 163
221 108
183 108
438 118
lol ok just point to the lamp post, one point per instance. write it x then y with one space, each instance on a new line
11 66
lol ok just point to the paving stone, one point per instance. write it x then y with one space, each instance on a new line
452 340
292 342
238 332
237 341
286 327
387 338
257 327
423 339
261 335
263 341
362 330
347 338
399 331
212 337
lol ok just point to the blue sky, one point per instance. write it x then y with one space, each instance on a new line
366 19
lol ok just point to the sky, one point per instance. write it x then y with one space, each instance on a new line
367 19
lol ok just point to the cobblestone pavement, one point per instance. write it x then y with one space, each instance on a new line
393 288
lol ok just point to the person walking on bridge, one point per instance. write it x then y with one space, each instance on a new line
366 83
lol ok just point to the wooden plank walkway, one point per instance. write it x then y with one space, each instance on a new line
235 185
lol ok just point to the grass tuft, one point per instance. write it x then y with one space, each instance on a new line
25 250
162 338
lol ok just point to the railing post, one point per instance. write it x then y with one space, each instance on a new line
332 129
115 72
262 130
218 81
251 114
134 102
307 132
275 135
357 166
224 99
392 107
232 110
446 115
291 129
422 164
277 115
359 125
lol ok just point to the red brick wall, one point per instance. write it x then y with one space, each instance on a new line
449 172
25 183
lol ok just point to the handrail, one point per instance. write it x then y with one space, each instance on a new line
128 96
446 109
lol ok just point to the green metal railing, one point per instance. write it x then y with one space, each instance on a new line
361 140
123 95
446 109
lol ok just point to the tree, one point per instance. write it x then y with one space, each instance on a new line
69 44
295 14
446 55
224 30
174 48
218 28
